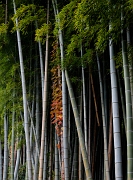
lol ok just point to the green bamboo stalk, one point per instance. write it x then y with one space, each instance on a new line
5 164
0 158
75 159
130 64
31 135
89 128
51 152
122 101
110 143
12 145
116 118
95 102
45 154
41 60
44 114
56 159
128 105
80 166
64 98
84 101
17 164
26 123
79 129
33 128
104 123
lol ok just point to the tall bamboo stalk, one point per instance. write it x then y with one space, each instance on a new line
5 164
56 159
79 129
17 164
37 115
130 63
26 124
12 145
122 101
0 158
44 113
64 98
104 123
128 104
94 150
116 118
75 159
45 154
80 166
110 143
51 152
89 124
41 60
84 102
95 102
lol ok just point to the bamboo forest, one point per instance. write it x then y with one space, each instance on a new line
66 90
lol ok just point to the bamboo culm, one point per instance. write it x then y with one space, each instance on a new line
79 129
115 111
64 101
44 113
26 123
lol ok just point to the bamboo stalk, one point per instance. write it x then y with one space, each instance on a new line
5 164
110 143
26 123
94 150
64 98
79 129
89 129
95 102
116 118
44 114
56 159
12 145
107 172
